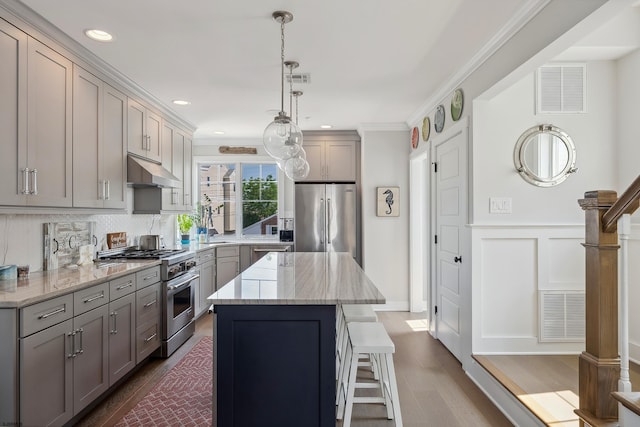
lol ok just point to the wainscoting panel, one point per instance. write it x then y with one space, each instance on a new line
510 266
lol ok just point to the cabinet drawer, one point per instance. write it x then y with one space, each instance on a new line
227 251
122 286
147 340
90 298
205 256
147 277
39 316
148 302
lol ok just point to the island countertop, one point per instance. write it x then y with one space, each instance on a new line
302 278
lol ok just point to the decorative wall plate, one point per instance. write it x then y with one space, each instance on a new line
438 120
457 102
426 128
414 138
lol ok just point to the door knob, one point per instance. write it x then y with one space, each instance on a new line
457 259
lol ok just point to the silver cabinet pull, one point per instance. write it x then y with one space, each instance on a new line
271 250
35 181
126 285
53 313
108 189
79 332
25 181
101 183
149 304
93 298
114 314
72 353
150 338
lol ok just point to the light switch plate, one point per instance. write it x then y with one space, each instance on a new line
500 205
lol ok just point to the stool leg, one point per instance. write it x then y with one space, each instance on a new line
393 388
351 390
343 379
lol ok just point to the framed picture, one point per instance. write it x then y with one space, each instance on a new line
388 201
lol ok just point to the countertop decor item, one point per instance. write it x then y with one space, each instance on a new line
117 240
415 138
426 128
8 272
185 222
62 242
457 103
438 121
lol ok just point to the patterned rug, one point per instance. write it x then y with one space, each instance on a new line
182 397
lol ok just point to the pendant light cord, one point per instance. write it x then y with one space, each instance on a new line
282 65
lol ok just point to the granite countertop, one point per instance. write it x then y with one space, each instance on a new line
43 285
301 278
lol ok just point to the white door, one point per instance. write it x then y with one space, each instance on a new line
450 191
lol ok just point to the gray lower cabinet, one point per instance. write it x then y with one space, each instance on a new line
148 320
227 264
63 369
46 376
207 268
90 359
122 337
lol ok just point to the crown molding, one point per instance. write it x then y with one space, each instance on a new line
515 24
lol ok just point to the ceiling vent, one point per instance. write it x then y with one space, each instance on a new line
300 78
561 89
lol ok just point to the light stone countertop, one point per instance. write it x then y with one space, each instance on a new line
44 285
221 242
300 278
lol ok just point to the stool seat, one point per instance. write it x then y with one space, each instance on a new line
370 337
359 313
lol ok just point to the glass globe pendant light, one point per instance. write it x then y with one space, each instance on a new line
277 135
297 167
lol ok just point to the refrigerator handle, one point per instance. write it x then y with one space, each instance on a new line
323 221
328 221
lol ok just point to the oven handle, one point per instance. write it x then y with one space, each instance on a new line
183 283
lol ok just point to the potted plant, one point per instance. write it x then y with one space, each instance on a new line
185 222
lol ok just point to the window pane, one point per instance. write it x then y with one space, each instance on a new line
259 196
218 196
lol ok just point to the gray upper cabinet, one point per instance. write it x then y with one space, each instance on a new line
49 114
176 157
99 143
35 118
330 160
145 128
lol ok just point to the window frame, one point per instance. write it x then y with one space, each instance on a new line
239 161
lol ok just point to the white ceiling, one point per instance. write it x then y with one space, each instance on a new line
370 62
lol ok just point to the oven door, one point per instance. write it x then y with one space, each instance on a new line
180 302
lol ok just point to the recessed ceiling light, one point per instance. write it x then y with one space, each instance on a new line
218 132
98 35
181 102
326 126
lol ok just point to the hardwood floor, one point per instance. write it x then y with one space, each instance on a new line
434 391
546 384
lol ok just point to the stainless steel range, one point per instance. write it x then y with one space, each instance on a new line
177 271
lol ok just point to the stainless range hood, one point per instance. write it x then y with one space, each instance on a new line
144 173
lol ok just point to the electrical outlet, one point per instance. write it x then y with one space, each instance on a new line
500 205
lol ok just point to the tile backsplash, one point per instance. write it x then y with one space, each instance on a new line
22 236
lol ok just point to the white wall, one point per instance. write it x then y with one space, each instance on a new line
628 125
537 247
385 239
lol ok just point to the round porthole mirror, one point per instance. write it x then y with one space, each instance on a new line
545 155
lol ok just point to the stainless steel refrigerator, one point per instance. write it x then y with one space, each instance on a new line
326 218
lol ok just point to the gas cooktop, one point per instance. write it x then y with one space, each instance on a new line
141 254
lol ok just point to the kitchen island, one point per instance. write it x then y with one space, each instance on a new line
274 339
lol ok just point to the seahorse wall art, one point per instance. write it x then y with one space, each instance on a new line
388 201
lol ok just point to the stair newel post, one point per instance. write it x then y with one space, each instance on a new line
599 365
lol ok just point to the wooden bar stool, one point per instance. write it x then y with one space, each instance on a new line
369 338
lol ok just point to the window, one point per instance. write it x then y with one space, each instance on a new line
251 187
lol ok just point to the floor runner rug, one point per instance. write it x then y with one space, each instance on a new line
183 395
